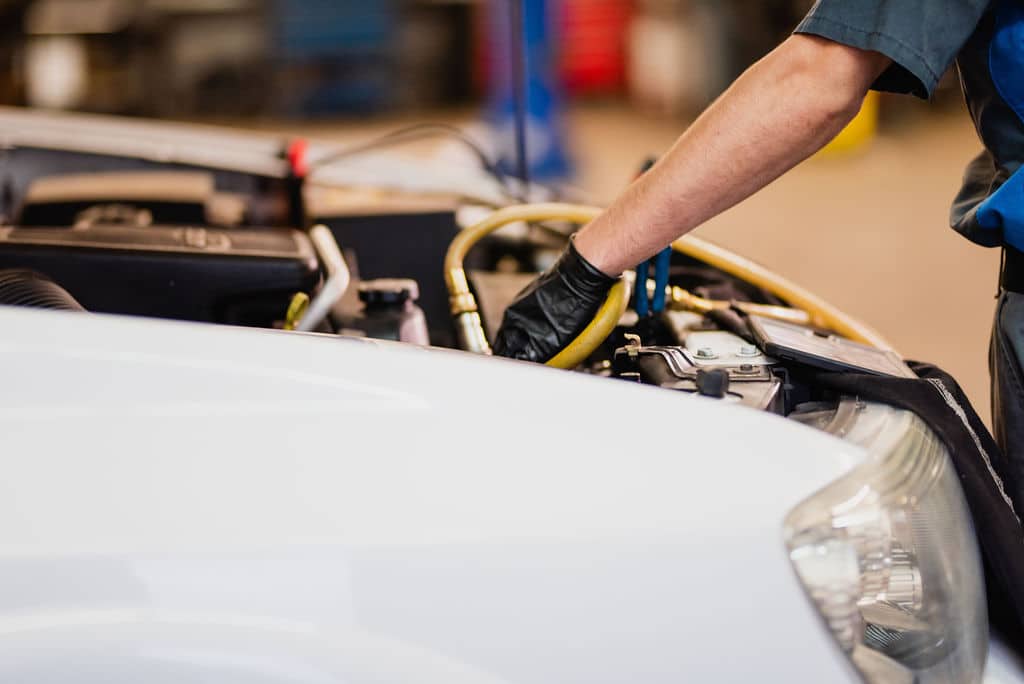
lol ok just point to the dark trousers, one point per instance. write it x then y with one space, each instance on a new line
1006 361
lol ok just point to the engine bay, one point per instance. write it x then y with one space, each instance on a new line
117 231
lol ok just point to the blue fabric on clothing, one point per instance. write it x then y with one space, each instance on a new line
1004 211
1006 55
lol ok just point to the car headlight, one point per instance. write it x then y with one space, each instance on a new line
889 558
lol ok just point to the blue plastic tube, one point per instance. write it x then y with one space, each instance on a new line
662 265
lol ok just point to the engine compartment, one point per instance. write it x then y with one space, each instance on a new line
249 276
231 243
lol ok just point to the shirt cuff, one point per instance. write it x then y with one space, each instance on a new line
909 74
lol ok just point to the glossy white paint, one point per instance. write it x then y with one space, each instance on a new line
196 503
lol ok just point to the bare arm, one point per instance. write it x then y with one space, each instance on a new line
781 111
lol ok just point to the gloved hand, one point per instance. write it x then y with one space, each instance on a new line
553 310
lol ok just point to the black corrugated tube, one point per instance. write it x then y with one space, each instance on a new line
21 287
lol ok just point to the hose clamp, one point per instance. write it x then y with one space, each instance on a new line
462 303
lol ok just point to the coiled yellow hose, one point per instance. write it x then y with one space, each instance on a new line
823 314
463 304
470 327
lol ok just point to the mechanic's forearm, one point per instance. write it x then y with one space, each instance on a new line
781 111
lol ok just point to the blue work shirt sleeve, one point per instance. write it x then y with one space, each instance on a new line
921 37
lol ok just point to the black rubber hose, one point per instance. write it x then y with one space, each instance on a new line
21 287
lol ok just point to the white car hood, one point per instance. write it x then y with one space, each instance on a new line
525 524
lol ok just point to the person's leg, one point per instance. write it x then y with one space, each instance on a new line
1006 360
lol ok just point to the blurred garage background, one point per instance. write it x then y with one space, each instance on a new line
613 82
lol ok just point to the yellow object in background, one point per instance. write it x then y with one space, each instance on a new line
296 310
860 131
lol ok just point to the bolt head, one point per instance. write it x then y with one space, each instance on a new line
706 353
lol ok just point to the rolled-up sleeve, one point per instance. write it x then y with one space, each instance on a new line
921 37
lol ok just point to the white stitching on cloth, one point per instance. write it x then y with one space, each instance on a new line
952 403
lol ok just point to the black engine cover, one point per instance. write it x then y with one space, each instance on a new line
241 277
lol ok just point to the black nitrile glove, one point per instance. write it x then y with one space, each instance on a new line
553 310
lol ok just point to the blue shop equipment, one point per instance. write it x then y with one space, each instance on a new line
527 49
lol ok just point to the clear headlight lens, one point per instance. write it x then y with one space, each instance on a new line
889 557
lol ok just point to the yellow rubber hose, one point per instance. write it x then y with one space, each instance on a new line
607 317
463 303
822 313
467 316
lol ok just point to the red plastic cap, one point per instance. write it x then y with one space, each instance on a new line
297 150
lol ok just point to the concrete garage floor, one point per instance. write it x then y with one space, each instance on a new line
867 231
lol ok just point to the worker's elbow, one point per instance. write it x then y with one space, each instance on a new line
834 111
830 79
